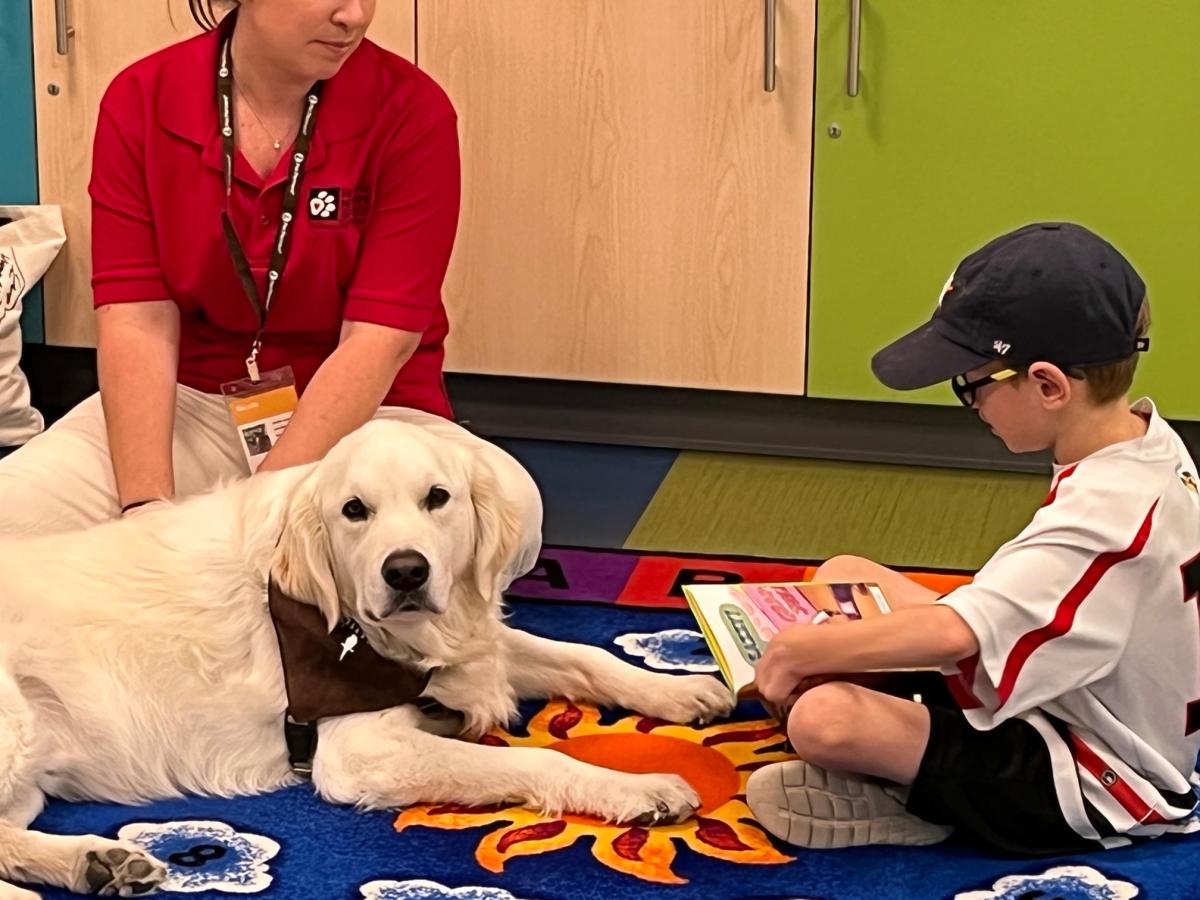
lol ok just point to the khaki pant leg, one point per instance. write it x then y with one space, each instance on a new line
62 480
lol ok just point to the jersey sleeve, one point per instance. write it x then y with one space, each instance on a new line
1053 609
407 242
125 260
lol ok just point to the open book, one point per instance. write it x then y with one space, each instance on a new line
739 619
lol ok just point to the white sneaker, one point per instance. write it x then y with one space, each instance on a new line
805 805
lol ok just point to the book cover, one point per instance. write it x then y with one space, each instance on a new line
739 619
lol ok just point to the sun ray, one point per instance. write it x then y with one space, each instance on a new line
454 817
716 760
741 842
526 840
646 853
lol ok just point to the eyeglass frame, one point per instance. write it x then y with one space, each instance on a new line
964 389
967 391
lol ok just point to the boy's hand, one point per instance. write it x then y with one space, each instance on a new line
780 675
781 669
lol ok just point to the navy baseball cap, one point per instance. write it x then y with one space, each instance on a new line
1048 292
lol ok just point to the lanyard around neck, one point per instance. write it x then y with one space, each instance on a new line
279 252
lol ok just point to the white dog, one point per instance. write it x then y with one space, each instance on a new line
138 659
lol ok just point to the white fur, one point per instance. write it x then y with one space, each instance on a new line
138 660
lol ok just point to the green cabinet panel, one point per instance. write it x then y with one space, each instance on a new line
976 116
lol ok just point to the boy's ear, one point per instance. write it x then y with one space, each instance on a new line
1054 386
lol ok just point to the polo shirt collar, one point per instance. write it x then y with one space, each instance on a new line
186 104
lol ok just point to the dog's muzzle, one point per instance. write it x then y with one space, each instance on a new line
406 572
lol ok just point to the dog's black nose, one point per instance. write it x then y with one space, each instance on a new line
405 570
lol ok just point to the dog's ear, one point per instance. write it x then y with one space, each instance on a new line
497 531
302 565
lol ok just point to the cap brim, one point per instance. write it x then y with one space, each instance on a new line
923 357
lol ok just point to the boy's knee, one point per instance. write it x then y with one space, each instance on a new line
824 721
842 568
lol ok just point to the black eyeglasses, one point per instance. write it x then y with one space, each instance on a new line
966 391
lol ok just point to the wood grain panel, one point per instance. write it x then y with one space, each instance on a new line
636 206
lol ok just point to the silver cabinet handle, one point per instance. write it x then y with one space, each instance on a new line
855 40
63 32
769 54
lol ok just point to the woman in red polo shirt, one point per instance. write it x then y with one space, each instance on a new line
278 192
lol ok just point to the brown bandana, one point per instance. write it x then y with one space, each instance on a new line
335 674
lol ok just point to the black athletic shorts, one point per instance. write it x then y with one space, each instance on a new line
996 787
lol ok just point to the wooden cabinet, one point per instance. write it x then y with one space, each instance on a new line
974 118
69 87
636 204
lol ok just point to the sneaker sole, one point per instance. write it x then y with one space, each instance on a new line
807 806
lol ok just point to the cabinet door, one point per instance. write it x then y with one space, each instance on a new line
974 118
635 202
69 87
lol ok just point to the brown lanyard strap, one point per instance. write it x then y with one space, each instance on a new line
279 253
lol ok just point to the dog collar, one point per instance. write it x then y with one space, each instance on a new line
332 673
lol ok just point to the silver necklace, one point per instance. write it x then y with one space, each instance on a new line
278 144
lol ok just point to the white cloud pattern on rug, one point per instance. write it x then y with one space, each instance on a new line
206 855
420 889
677 649
1062 883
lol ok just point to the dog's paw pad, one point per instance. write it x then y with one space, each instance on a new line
660 813
121 872
665 800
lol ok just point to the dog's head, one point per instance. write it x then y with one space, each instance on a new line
393 527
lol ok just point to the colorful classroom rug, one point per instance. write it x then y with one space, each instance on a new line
290 846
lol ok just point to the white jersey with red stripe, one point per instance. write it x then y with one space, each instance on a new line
1088 628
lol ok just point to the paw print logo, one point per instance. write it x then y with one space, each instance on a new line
675 649
420 889
206 855
323 203
1063 882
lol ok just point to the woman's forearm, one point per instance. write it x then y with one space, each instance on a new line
138 362
344 393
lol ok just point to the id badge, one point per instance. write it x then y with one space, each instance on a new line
261 411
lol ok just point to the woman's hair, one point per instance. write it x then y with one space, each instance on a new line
204 13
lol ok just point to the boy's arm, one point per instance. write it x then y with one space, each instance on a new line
920 636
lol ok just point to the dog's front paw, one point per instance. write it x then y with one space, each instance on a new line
119 869
687 698
651 800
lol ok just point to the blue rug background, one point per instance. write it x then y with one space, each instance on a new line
328 853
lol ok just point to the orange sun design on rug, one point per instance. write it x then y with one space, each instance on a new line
715 760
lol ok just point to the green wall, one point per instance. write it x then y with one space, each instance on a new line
976 117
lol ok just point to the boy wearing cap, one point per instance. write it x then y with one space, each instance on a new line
1075 652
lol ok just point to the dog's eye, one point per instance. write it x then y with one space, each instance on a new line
436 498
354 510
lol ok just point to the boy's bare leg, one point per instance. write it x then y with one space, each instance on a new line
848 728
847 737
900 590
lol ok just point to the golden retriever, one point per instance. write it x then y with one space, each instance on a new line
138 659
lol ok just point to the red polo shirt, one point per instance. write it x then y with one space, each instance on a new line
385 154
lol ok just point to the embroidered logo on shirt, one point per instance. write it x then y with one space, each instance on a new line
339 205
323 203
